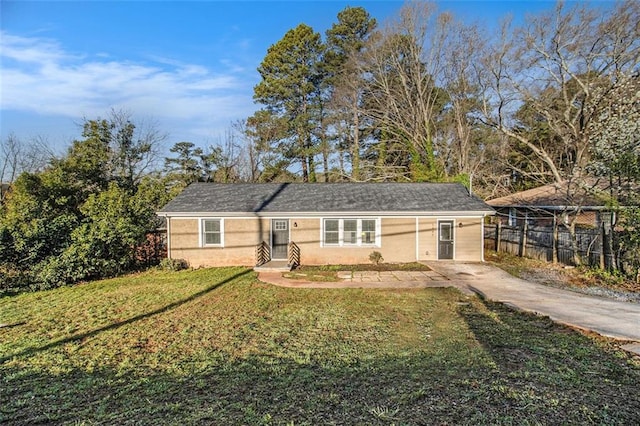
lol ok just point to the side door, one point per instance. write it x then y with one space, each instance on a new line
279 238
445 239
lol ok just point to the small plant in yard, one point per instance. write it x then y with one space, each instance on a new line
384 413
167 264
604 277
376 257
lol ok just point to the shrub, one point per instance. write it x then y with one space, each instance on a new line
167 264
376 257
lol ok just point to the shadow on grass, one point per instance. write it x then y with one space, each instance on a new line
527 370
256 390
553 371
412 389
33 350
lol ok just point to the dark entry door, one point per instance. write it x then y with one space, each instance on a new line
445 239
279 238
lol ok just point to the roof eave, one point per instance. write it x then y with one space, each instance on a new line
475 213
553 208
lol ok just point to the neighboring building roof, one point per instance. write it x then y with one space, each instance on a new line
268 198
555 196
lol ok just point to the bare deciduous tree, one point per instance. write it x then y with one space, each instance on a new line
463 139
544 84
17 156
403 64
539 81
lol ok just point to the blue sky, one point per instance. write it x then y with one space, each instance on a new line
190 67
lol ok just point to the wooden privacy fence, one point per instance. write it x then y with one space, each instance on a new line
593 245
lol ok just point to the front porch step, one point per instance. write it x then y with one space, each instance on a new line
274 266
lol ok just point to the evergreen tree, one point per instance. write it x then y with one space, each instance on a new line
290 92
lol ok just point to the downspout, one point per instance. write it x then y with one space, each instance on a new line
417 240
168 219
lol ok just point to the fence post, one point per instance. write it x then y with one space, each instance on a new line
554 243
523 239
603 235
497 241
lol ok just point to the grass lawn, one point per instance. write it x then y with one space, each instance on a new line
215 346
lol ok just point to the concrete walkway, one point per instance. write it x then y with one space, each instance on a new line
611 318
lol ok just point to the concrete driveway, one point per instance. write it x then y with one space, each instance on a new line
611 318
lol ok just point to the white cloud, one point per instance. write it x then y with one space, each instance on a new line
29 50
39 76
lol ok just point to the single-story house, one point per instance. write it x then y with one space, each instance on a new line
583 203
212 224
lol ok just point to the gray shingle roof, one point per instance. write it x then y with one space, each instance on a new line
584 194
324 197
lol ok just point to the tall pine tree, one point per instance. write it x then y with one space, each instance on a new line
290 91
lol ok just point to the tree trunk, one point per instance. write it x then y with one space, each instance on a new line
355 149
305 170
577 259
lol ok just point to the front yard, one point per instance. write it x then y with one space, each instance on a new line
215 346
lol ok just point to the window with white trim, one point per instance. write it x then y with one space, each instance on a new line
212 233
368 231
350 232
332 231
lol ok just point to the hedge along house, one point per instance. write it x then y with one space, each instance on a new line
212 224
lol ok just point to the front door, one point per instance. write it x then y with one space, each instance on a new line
445 239
279 239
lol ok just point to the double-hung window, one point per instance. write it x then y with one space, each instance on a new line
368 231
350 232
212 232
332 231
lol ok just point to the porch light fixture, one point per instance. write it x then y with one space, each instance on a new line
295 224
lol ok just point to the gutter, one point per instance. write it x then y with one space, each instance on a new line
461 213
552 208
167 219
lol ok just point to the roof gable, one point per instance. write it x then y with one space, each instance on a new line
324 198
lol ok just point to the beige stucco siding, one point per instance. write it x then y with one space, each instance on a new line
307 235
428 238
240 239
397 241
468 239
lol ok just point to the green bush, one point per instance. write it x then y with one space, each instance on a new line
376 257
167 264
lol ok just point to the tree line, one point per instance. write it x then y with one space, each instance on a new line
427 97
422 97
